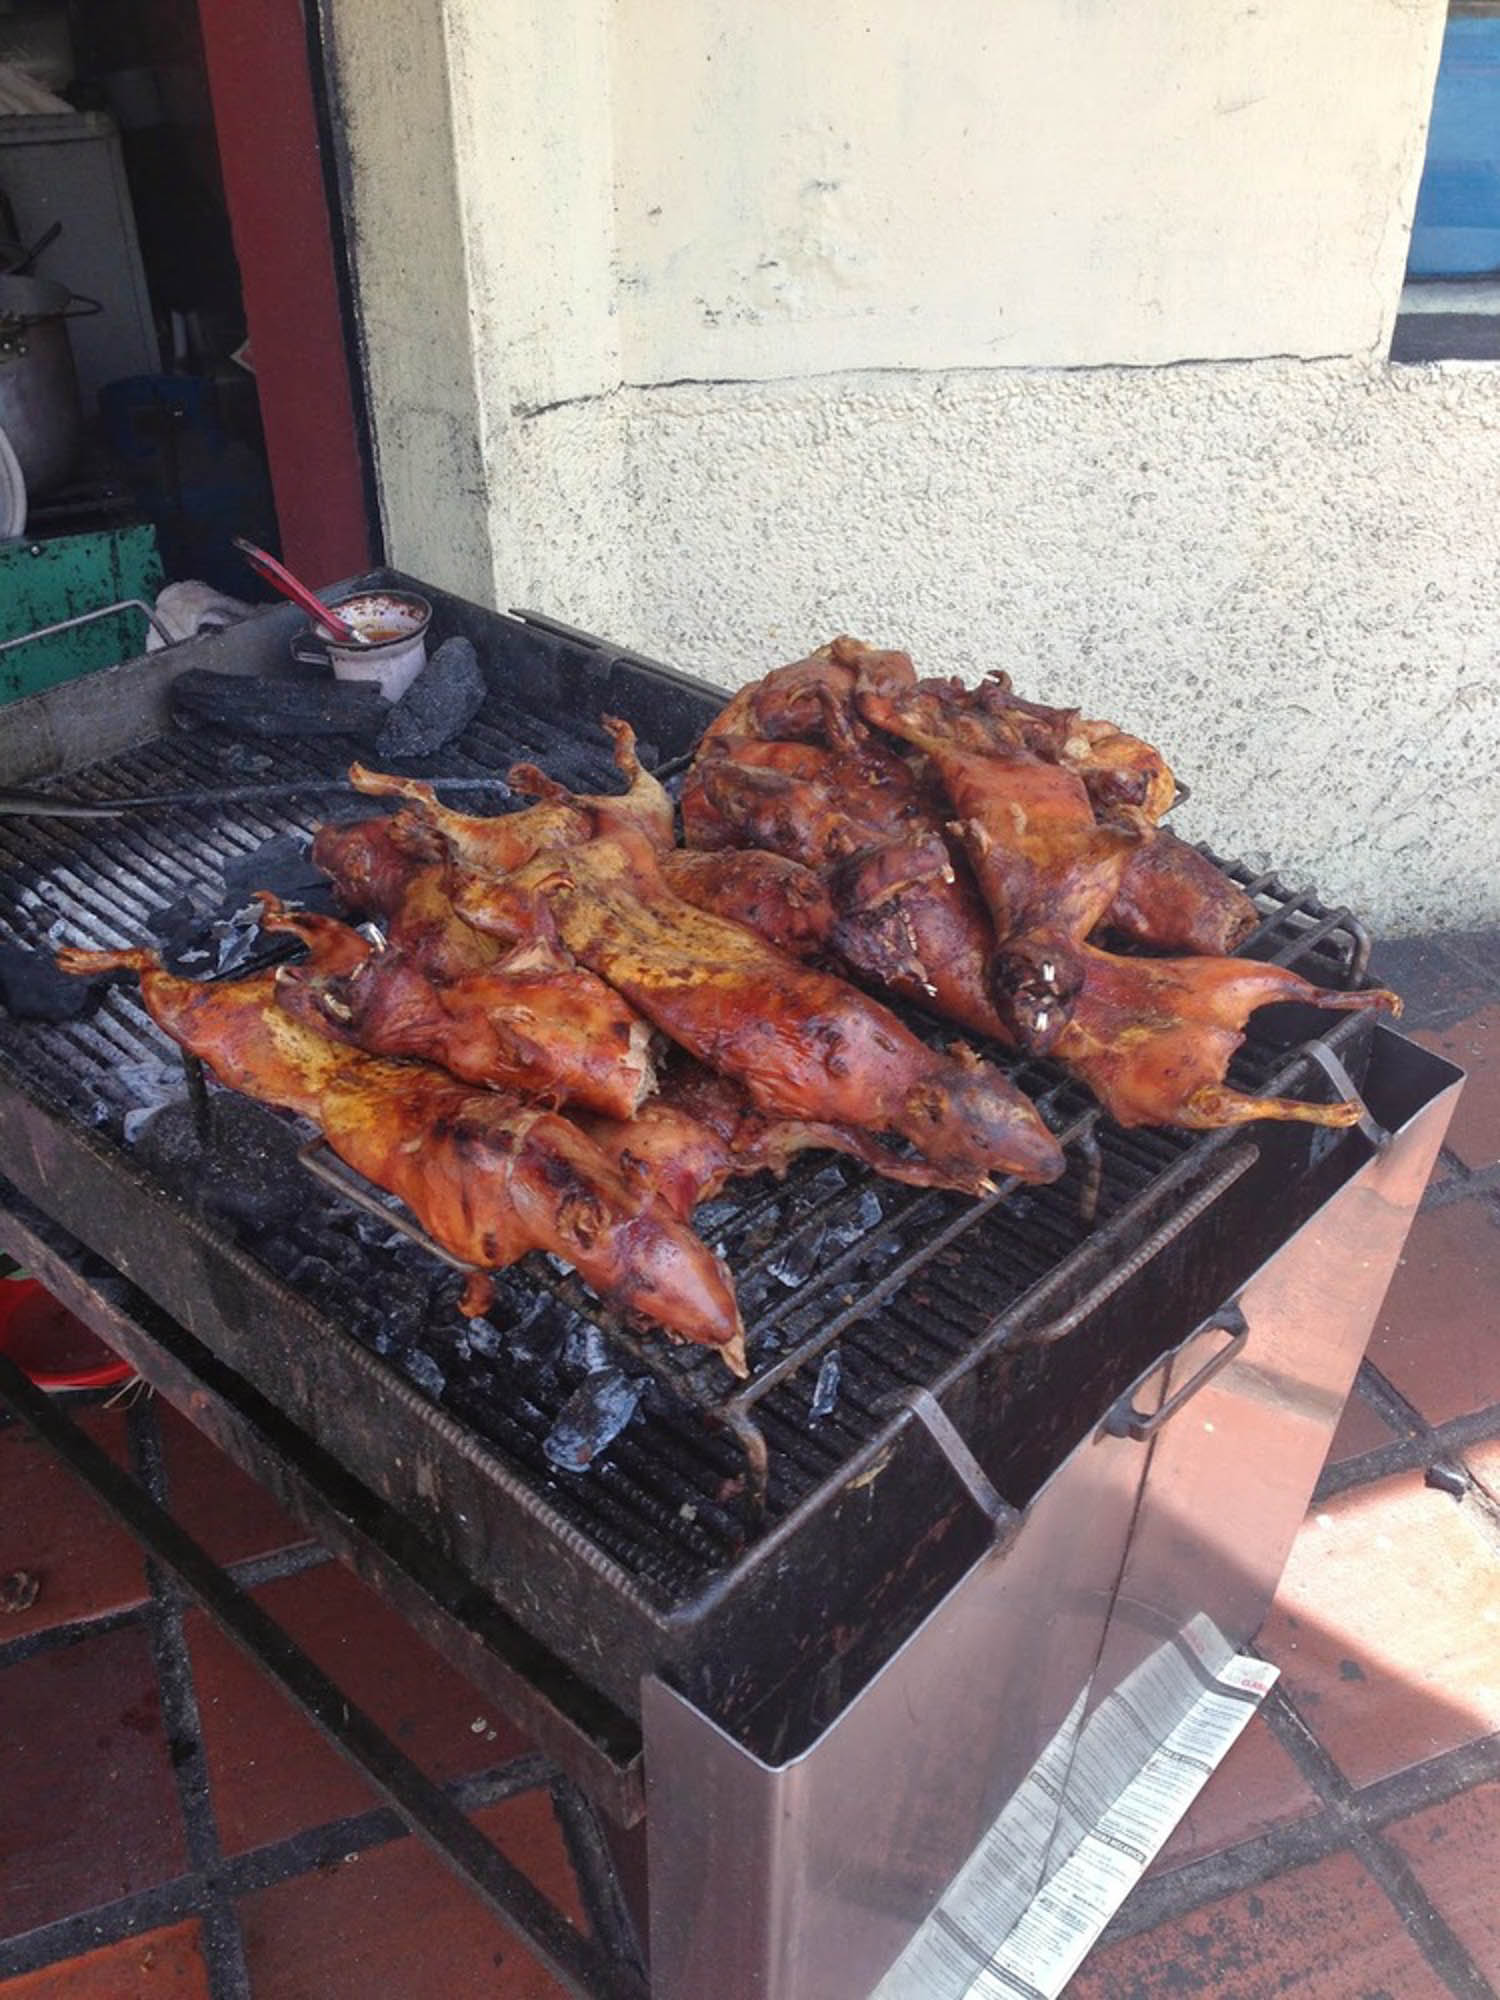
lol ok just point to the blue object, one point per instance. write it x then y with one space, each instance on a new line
141 411
1456 231
198 487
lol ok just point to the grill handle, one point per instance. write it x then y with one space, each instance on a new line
1125 1420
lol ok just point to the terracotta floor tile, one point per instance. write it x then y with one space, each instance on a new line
1483 1460
1359 1430
272 1773
1438 1336
1454 1850
56 1531
1387 1626
88 1808
1255 1788
232 1515
393 1922
1325 1932
156 1965
1480 949
1474 1044
1436 978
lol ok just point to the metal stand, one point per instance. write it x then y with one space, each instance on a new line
607 1965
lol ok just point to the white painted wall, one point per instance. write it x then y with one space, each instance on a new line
955 183
894 259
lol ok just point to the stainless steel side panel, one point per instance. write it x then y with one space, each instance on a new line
805 1881
1232 1471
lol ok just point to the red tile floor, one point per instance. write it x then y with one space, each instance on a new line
170 1828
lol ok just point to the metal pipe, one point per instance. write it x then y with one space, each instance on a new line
167 637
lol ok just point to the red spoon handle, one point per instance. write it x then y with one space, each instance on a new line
267 566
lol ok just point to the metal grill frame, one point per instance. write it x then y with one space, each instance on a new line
214 1287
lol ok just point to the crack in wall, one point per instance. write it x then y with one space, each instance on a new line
527 412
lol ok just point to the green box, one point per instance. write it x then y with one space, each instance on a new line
44 579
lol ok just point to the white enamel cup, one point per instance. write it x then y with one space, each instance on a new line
394 626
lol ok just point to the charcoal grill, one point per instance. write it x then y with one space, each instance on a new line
817 1626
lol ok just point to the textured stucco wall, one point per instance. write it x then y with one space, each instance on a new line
891 258
1287 574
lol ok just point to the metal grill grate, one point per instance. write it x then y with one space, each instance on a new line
899 1284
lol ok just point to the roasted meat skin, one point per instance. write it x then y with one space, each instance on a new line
1042 860
804 1043
1047 870
702 1131
509 840
1153 1037
488 1176
802 800
396 869
907 914
533 1022
780 900
818 805
912 922
810 699
1171 898
1119 771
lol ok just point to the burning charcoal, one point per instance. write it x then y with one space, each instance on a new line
406 1302
271 708
175 922
826 1182
532 1328
315 1277
238 760
32 988
237 939
151 1085
711 1216
826 1390
585 1348
219 929
865 1216
763 1233
868 1210
372 1230
183 929
245 1167
593 1417
795 1263
438 706
485 1339
425 1372
755 1297
281 864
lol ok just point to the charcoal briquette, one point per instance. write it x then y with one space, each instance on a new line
593 1417
424 1371
261 707
438 706
826 1389
32 988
